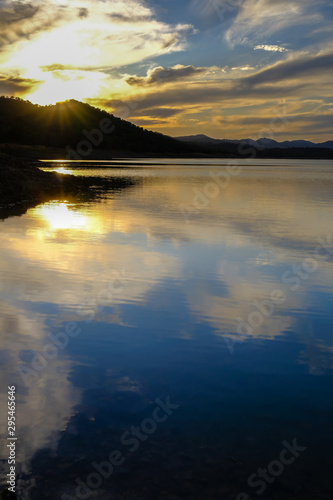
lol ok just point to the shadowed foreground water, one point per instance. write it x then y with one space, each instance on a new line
182 339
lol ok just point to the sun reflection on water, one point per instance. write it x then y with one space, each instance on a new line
60 216
62 170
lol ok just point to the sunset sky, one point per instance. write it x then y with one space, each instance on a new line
228 69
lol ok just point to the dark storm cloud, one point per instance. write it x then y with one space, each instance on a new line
164 75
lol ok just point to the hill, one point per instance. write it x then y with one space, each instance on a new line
73 125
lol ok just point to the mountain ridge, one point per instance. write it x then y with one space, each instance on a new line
262 143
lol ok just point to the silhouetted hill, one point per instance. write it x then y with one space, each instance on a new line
63 124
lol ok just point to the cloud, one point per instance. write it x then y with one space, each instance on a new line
213 95
88 33
14 85
122 18
303 121
83 12
247 67
56 67
160 75
290 77
149 122
211 13
22 22
14 12
270 48
310 65
161 112
261 18
88 38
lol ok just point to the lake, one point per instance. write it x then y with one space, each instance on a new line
173 339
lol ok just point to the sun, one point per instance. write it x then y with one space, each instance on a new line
60 86
57 63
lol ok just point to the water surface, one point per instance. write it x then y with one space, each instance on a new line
165 289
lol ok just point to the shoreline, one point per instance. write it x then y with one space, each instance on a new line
34 153
23 186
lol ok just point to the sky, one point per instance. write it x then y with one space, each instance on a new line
225 68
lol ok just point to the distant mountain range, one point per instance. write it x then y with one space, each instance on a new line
260 144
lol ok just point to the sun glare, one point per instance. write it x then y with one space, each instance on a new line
66 85
59 216
57 62
63 170
63 46
54 217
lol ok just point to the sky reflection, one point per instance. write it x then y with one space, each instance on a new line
153 295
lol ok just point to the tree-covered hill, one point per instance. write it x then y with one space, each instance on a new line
63 124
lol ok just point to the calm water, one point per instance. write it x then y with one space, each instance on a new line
221 302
